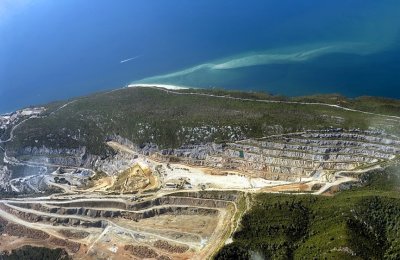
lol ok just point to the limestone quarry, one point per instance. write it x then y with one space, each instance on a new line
183 203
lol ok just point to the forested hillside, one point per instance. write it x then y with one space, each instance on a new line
361 223
170 119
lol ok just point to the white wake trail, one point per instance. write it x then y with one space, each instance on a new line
133 58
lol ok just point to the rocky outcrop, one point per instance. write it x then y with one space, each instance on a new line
78 157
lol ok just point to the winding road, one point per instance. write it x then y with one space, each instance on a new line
396 118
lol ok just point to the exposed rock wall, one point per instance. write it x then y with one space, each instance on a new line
78 157
301 154
175 210
171 200
215 195
279 157
93 204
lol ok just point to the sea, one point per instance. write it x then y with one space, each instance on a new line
54 50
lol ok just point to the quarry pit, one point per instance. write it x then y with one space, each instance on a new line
176 204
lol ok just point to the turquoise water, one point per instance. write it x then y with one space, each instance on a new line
60 49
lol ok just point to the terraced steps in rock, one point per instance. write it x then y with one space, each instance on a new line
147 209
306 154
188 220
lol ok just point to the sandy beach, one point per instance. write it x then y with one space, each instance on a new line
157 86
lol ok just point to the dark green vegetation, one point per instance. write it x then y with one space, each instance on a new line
36 253
361 223
170 120
364 103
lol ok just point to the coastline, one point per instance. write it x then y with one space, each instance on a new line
166 86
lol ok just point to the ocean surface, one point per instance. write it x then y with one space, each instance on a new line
51 50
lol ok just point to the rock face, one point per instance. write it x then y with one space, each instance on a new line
176 205
283 157
311 153
32 217
194 152
172 200
58 156
115 164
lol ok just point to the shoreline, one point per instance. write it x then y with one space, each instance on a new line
166 86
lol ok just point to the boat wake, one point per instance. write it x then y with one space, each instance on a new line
133 58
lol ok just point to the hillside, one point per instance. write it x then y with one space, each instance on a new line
360 223
159 173
171 119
